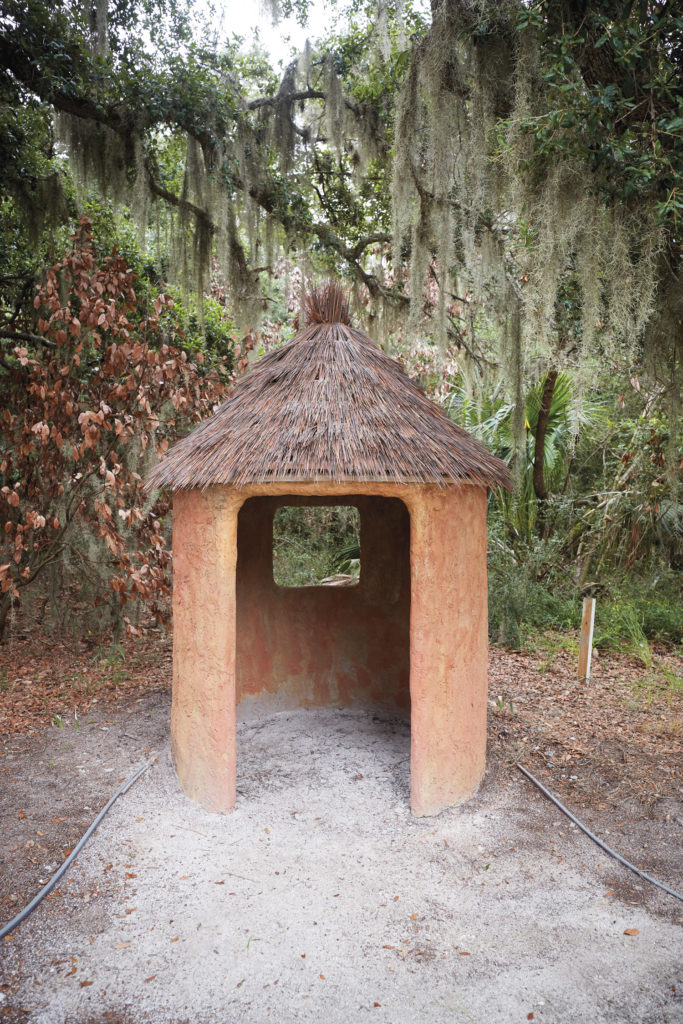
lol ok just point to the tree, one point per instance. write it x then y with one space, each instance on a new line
532 145
502 177
85 404
254 175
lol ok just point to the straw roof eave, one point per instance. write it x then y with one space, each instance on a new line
327 407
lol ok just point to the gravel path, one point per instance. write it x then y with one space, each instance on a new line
320 899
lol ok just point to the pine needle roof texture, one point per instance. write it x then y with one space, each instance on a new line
328 406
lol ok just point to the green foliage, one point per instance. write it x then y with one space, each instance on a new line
309 541
630 96
523 596
212 334
612 528
639 608
529 597
491 419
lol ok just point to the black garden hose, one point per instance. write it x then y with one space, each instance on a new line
591 835
22 915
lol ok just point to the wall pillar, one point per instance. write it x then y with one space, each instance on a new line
448 645
203 740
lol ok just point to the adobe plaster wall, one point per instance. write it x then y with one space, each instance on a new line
448 635
325 645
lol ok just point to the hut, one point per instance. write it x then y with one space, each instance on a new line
331 419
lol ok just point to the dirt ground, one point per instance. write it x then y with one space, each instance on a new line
320 897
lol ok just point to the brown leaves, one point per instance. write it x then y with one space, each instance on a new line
45 678
631 931
71 409
568 734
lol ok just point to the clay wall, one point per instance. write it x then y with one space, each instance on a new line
322 644
237 635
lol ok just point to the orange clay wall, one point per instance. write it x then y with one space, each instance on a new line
236 634
325 645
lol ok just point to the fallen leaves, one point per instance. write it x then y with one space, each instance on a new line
630 931
45 678
568 731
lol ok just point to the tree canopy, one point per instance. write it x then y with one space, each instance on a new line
501 180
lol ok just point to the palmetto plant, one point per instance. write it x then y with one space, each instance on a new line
491 419
607 491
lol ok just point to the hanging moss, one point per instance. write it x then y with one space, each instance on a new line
382 28
511 216
102 27
140 200
42 204
96 156
334 108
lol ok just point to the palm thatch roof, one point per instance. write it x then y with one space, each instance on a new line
328 406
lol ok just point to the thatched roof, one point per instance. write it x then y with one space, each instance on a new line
328 406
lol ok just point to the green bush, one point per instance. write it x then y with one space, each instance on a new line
643 607
631 612
309 542
520 604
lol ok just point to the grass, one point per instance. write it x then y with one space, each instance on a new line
659 679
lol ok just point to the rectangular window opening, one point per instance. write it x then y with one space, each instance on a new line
316 546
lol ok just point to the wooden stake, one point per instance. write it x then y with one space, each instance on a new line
586 648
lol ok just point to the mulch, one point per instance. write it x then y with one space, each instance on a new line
45 681
616 738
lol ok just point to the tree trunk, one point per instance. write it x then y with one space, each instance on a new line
540 489
5 606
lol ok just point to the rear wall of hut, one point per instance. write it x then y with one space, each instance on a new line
325 644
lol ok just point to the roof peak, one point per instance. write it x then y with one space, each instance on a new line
327 304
